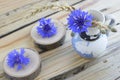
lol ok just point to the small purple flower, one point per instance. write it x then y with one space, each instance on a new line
18 59
79 21
46 28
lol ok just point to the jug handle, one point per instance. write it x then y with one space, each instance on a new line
112 21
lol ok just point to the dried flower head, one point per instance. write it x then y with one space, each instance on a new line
79 21
46 28
103 28
18 59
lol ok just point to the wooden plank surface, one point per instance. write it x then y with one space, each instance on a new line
108 69
64 59
16 19
8 5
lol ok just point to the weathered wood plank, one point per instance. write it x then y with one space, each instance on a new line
8 5
17 18
9 28
63 58
22 21
107 69
49 59
5 42
67 55
71 60
106 9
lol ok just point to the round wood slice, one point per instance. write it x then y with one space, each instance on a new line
28 72
52 42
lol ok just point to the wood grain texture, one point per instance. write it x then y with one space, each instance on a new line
64 59
18 19
106 69
23 34
8 5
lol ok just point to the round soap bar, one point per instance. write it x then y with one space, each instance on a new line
52 42
29 71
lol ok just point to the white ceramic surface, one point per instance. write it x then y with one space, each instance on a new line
89 49
97 15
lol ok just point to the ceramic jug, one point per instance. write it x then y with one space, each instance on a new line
92 43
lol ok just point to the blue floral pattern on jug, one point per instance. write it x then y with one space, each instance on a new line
76 39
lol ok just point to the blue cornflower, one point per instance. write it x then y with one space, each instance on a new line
79 21
18 59
46 28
